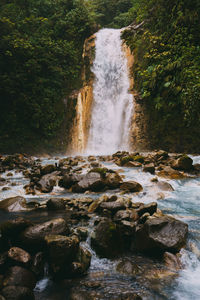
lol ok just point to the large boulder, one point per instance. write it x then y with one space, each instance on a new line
159 234
92 181
183 163
17 293
131 186
34 235
106 239
62 250
69 179
19 276
48 181
48 169
113 180
14 204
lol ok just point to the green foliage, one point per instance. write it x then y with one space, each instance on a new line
112 13
167 58
40 62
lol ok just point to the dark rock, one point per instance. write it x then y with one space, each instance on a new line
13 204
38 264
91 181
48 169
128 267
19 255
106 239
62 250
113 180
55 204
48 181
18 293
112 206
3 263
11 229
183 163
160 234
150 208
131 186
127 215
34 235
69 179
149 168
172 261
82 233
143 218
20 277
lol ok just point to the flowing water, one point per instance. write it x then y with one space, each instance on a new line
113 105
109 132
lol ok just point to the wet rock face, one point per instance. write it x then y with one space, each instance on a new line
106 239
18 255
55 204
17 293
48 181
13 204
160 234
19 276
183 163
34 235
131 186
91 181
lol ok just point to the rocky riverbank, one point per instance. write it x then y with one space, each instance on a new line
99 209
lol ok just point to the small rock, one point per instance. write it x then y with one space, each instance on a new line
131 186
148 208
19 255
55 204
19 276
149 168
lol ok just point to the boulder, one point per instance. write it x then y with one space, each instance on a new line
18 293
92 181
69 179
168 172
106 239
149 168
55 204
160 234
34 235
14 204
183 163
48 181
112 206
48 169
19 276
19 255
113 180
62 251
126 266
131 186
12 228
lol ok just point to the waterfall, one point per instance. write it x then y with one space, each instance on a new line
112 105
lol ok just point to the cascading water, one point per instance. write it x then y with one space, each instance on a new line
113 105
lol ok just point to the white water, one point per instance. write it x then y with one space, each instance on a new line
113 105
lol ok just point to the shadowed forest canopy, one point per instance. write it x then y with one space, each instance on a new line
40 62
41 59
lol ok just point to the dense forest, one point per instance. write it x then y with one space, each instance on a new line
41 60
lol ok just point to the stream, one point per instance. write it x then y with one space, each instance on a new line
104 280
